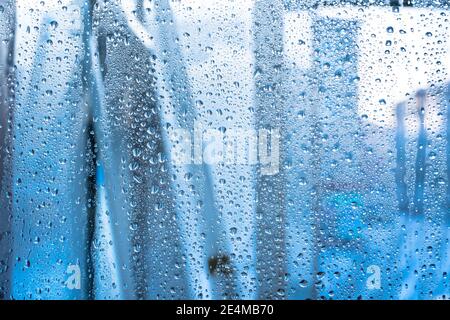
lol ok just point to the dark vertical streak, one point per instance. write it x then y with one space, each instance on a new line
7 29
91 210
91 151
268 50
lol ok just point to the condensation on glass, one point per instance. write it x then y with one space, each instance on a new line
210 149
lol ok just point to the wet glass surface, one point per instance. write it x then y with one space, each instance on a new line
211 149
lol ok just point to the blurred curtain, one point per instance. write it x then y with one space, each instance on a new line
95 96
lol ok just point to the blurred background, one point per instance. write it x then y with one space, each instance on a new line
354 96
